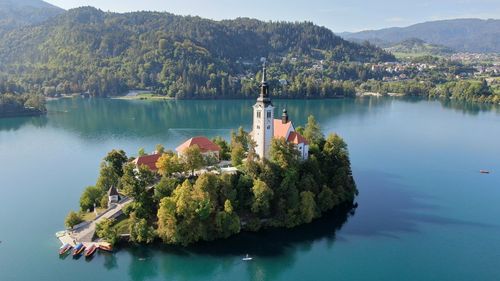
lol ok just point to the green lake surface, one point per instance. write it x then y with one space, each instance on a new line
425 212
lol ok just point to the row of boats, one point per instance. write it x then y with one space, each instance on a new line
80 249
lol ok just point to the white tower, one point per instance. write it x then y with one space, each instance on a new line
263 120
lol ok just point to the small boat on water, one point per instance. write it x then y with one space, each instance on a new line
64 249
247 258
90 251
484 171
105 247
78 249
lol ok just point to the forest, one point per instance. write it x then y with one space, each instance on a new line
107 54
21 105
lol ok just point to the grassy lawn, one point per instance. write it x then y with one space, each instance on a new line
91 215
123 226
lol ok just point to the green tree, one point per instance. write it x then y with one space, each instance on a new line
91 196
159 149
165 187
225 151
140 231
326 199
141 152
262 196
237 154
283 153
227 221
116 158
105 230
72 219
312 131
107 177
307 206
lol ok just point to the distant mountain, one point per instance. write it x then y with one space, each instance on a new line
416 46
470 35
108 53
16 13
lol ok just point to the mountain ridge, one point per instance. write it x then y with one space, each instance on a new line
470 34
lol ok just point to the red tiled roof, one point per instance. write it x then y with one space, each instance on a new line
280 129
296 138
203 143
148 160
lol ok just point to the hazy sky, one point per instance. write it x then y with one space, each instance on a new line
338 15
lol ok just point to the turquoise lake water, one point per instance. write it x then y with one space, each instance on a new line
425 212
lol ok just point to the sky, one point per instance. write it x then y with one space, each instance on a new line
337 15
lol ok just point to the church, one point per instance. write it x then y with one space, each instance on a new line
265 127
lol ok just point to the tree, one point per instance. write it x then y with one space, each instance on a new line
105 230
262 196
240 137
227 222
91 197
225 151
237 154
283 153
307 206
326 199
140 231
72 219
160 149
116 158
165 187
168 164
141 152
312 131
193 159
107 177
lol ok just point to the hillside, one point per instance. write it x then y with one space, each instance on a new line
109 53
16 13
465 35
417 47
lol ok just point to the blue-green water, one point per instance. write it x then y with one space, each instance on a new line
425 212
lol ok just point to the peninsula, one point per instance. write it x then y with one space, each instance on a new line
277 175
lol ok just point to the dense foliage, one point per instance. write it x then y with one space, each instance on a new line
86 49
19 105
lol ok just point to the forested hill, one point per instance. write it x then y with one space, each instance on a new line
106 53
16 13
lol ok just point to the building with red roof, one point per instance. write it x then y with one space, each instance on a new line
207 147
147 160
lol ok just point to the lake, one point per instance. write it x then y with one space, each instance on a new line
425 212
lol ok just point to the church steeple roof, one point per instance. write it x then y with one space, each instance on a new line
264 87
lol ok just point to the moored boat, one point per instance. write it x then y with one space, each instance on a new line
65 249
105 247
90 251
78 249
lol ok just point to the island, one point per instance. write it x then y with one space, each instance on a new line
277 175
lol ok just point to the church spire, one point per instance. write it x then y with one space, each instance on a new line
264 87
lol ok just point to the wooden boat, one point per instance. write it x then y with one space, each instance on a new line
484 171
78 249
64 249
90 251
105 247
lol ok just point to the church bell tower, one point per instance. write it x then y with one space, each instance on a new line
263 119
